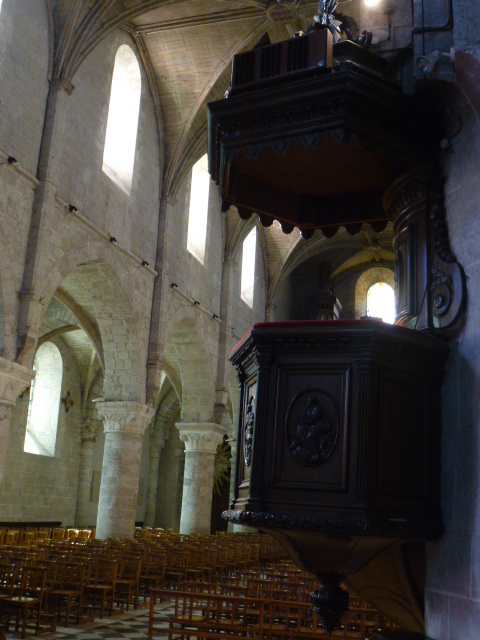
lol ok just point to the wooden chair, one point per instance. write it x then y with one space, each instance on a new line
100 590
11 536
44 534
71 533
67 592
84 534
26 605
128 581
152 574
58 533
8 579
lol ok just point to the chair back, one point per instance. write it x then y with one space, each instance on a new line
11 537
58 533
33 581
8 578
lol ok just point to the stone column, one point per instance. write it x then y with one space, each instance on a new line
90 430
14 379
201 442
270 312
157 442
124 426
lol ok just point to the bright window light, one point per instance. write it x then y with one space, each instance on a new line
122 124
1 4
44 405
248 267
381 302
198 211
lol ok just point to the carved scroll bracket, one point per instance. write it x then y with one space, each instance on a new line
431 284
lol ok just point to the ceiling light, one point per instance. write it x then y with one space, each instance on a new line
371 3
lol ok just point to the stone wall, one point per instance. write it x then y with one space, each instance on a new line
25 35
132 220
37 487
453 563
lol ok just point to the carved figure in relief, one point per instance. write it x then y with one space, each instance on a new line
315 436
248 430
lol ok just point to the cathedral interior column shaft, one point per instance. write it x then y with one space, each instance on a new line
89 431
201 442
124 426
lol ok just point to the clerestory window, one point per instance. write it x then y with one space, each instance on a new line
122 124
44 405
248 267
198 209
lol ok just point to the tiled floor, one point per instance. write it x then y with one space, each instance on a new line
133 624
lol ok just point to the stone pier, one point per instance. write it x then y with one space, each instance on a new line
124 426
89 432
201 442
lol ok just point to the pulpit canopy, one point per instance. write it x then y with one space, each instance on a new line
314 146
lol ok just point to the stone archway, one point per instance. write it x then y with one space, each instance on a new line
101 295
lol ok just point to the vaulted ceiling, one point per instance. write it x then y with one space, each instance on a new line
187 47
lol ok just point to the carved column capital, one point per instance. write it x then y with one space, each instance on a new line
14 379
125 416
202 437
90 429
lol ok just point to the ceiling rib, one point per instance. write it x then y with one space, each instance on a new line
197 21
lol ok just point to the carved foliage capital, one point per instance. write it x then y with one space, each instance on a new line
90 430
201 437
125 416
14 379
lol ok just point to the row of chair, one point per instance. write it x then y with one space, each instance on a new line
212 615
75 579
232 575
28 535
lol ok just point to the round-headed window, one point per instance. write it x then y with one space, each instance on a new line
381 302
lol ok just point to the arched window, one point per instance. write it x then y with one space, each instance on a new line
198 210
122 124
248 267
381 302
368 278
42 420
